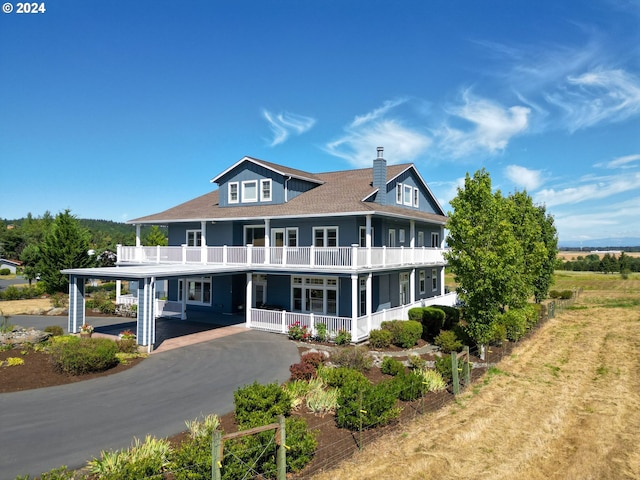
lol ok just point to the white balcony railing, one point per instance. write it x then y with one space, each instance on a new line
353 257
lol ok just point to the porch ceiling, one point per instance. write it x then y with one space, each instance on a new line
148 271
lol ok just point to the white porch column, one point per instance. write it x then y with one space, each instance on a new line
368 238
267 240
118 289
441 281
248 299
354 307
203 243
369 287
412 233
76 304
412 286
138 235
183 315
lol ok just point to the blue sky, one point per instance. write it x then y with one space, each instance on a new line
119 109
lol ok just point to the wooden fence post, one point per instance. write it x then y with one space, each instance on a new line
215 455
281 459
466 368
454 373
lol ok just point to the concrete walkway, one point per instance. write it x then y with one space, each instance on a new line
67 425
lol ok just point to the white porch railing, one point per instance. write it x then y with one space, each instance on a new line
279 321
353 257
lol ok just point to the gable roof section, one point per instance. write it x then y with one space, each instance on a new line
338 193
284 171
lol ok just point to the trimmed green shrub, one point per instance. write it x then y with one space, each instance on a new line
417 362
443 367
415 314
409 386
554 294
452 316
343 337
54 330
322 335
515 323
258 404
357 358
380 338
77 356
566 294
391 366
5 271
337 377
365 404
405 333
448 341
433 320
107 307
127 345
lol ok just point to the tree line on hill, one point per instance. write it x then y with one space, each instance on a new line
609 263
47 244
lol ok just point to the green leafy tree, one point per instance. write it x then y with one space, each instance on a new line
155 237
543 281
66 245
30 258
497 252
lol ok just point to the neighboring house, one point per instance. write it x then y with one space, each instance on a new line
12 265
277 245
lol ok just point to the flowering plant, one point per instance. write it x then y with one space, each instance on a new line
86 328
298 332
127 334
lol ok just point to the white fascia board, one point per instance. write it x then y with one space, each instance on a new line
268 167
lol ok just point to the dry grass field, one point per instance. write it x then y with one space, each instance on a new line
565 405
35 306
573 254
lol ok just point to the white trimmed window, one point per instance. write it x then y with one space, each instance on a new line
434 279
254 235
249 191
407 196
416 197
233 192
401 236
399 193
198 290
194 238
420 238
392 238
363 236
315 294
422 281
435 240
325 236
265 190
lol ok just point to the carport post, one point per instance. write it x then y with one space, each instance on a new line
76 303
248 300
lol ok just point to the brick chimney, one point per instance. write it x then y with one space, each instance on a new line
380 177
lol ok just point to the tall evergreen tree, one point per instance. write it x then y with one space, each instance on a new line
66 245
155 237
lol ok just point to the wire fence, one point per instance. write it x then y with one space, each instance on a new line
257 459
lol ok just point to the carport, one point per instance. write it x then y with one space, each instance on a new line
145 276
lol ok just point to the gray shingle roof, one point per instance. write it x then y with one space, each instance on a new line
342 192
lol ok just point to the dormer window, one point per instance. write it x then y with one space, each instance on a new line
233 192
399 193
407 197
250 191
416 197
265 190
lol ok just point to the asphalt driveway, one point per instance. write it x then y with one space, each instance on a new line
69 424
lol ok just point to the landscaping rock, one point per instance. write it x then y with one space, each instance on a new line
19 336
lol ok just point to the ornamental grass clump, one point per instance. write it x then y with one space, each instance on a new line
433 380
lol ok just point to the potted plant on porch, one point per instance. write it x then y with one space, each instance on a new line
86 330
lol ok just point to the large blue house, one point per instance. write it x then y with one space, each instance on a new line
277 245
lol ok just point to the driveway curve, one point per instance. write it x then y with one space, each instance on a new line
67 425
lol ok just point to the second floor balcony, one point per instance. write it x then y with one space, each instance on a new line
286 258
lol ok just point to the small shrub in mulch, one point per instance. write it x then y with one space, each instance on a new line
77 356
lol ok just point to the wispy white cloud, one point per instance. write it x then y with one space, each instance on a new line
606 221
524 177
620 162
379 127
597 96
491 126
284 124
596 188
